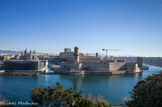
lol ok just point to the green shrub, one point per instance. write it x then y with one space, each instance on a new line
147 93
58 97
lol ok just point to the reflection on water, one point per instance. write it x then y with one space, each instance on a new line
81 81
114 88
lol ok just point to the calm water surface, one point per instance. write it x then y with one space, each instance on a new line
114 88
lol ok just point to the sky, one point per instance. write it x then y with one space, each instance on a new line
133 26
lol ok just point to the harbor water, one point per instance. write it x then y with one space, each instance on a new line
114 88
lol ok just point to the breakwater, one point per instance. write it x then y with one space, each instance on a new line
18 73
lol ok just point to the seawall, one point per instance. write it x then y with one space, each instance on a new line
18 73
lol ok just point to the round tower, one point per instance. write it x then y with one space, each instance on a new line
76 54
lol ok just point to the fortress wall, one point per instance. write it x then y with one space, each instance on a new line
96 66
90 59
130 66
97 73
65 66
69 66
140 63
115 66
137 68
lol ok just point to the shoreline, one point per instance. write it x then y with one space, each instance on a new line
67 73
19 74
97 73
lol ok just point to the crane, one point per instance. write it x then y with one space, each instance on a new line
110 50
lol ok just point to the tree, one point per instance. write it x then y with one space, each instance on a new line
147 93
58 97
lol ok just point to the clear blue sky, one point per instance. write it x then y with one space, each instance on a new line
134 26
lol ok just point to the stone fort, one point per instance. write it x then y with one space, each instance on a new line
78 63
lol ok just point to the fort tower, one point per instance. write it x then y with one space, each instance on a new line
76 54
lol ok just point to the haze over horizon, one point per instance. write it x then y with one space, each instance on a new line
134 26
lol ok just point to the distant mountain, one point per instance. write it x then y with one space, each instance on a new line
9 52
